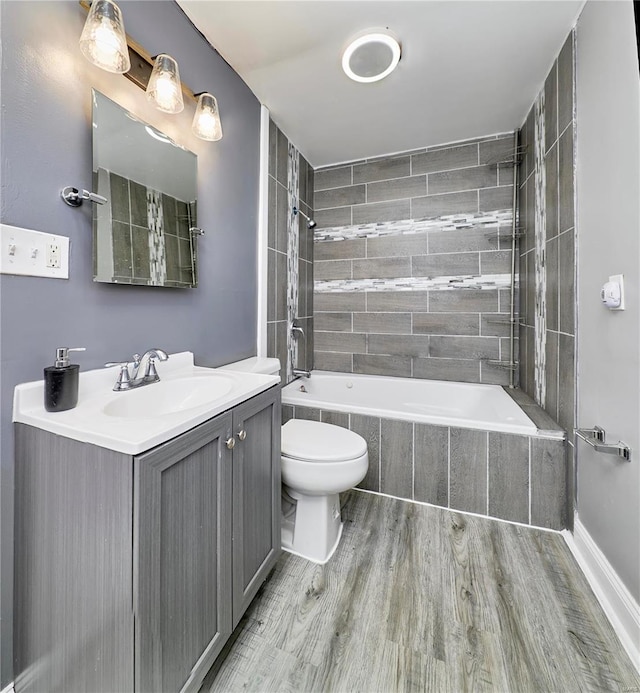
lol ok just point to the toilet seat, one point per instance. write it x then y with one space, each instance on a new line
318 442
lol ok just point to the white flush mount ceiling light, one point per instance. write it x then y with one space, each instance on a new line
371 56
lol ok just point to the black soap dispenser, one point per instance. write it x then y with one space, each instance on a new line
61 382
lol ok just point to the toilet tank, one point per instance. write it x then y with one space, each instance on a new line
255 364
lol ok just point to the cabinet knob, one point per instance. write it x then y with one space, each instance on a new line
242 435
231 443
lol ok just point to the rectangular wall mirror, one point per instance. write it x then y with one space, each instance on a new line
143 234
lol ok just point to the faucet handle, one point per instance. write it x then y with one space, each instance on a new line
123 377
150 371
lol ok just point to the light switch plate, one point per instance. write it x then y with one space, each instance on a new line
33 253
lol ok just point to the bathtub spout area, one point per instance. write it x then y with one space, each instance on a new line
300 373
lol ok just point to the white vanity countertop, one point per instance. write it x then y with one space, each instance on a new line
88 422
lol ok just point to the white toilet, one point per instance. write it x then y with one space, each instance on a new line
319 461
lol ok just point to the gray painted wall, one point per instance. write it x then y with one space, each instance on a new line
46 145
608 180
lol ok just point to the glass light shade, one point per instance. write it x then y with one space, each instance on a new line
206 121
103 41
164 89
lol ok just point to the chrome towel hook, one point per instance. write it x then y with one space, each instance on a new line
74 197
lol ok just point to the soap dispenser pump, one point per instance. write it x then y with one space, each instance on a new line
61 381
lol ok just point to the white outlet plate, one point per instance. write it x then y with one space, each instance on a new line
28 252
53 254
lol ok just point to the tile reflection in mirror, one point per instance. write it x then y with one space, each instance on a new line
142 235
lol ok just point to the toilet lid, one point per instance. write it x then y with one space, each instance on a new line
320 442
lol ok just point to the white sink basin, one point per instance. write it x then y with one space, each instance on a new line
137 420
169 397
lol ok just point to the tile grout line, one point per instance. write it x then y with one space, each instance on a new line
379 448
487 439
448 466
530 509
413 174
412 197
413 459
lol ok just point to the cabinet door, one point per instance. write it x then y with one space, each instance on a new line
256 496
182 557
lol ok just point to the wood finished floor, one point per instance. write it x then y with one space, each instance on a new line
421 599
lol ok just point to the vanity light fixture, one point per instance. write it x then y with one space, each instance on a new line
206 121
103 40
106 45
371 56
164 89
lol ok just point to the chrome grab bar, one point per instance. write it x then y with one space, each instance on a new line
595 437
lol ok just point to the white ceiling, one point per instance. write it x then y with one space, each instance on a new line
468 68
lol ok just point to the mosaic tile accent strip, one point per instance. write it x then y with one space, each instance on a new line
293 251
485 281
157 251
450 222
540 214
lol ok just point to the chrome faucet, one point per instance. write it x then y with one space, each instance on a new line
130 380
299 372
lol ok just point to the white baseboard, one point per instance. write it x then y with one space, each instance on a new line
8 689
619 606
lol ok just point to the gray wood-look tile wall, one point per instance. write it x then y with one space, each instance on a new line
560 242
278 276
503 475
442 334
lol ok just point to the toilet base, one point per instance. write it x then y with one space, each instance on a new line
314 530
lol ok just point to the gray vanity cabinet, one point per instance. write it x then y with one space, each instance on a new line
207 531
132 572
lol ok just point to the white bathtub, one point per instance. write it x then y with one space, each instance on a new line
464 405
